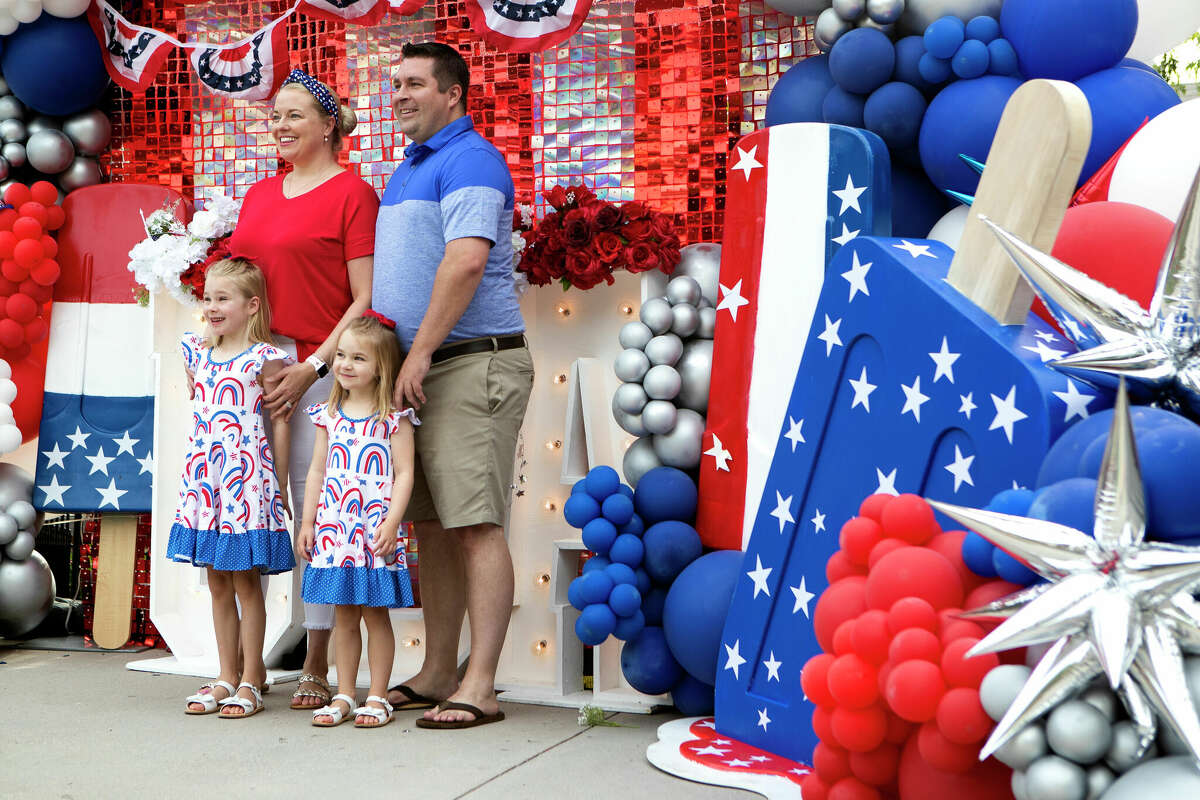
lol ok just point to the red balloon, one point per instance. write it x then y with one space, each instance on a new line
843 600
26 228
8 287
29 253
46 272
814 788
944 754
913 572
814 679
882 549
33 210
961 718
910 518
878 767
17 194
21 308
49 245
40 294
822 722
44 192
16 354
960 629
899 730
852 681
915 644
36 330
949 545
859 729
990 780
871 637
8 242
914 690
853 789
873 506
989 592
29 374
858 536
55 217
959 670
831 762
843 641
840 566
912 612
7 217
11 334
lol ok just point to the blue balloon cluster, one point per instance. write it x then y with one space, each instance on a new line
954 50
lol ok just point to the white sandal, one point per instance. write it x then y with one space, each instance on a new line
249 707
206 699
331 710
384 715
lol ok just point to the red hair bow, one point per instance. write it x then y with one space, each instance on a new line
371 313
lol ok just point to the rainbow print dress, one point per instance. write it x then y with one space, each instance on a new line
230 514
354 502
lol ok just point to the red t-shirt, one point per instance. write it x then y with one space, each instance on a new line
302 245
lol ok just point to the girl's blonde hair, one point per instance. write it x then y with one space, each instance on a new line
346 120
383 344
250 282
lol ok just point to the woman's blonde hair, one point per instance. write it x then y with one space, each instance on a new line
346 120
250 282
383 344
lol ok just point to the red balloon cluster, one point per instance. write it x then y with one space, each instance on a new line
895 674
27 266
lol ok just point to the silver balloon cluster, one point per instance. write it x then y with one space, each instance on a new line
665 367
62 149
26 582
845 15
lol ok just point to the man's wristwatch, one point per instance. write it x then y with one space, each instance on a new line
316 363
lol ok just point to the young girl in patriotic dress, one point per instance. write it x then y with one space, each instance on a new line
358 486
230 518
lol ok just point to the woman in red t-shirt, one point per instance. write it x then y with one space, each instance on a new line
312 233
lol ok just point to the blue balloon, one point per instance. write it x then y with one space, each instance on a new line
917 205
625 599
1012 501
962 119
894 111
627 549
1064 459
595 624
1067 39
601 482
1145 419
670 546
843 108
1071 502
642 580
908 58
693 698
595 563
1121 99
629 627
626 490
55 65
580 509
1135 64
862 60
944 36
935 71
665 493
653 602
617 508
598 536
799 92
579 486
977 555
1168 458
647 664
1012 570
574 595
621 573
594 586
1002 58
971 60
983 28
695 611
634 526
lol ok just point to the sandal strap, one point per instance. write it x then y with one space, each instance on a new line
333 711
206 699
319 680
380 714
247 705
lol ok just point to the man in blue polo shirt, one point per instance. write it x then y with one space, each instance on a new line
444 273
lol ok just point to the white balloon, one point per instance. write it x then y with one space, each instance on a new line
67 9
10 438
8 391
6 414
5 369
799 8
7 23
26 10
1162 24
6 5
1156 168
948 230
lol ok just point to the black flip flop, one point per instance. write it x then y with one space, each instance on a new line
480 717
415 701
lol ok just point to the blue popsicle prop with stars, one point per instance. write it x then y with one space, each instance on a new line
906 385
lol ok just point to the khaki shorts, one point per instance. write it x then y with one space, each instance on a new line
467 438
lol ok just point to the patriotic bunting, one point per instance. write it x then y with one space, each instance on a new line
252 69
362 12
526 26
134 54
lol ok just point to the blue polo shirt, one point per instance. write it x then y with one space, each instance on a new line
454 185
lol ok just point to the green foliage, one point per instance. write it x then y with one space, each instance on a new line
1173 72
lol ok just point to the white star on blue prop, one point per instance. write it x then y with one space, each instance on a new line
99 461
862 391
1044 351
772 667
966 405
731 299
55 457
783 511
960 469
733 658
125 444
913 399
746 161
818 521
849 196
1007 413
944 362
147 463
856 276
78 438
1046 336
794 434
759 575
54 491
110 496
803 596
847 235
830 335
914 250
763 719
887 483
1077 402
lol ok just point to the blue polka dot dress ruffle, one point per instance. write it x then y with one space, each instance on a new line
354 502
230 513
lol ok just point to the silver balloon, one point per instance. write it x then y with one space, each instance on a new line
798 8
659 416
13 130
850 10
882 27
8 529
662 383
686 319
829 28
20 547
1099 778
638 460
42 124
695 372
26 594
656 314
15 484
683 289
89 130
1172 778
14 153
1123 754
708 323
1000 687
4 90
885 11
919 13
22 512
665 349
82 172
630 398
634 336
631 365
630 423
11 108
5 169
1018 786
681 447
1102 698
1170 740
1054 778
1078 731
1023 749
702 262
49 151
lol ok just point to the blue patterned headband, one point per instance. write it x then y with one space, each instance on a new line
322 95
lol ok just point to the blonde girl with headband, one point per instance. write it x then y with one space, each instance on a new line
230 518
311 229
359 482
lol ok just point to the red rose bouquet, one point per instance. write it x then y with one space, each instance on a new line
585 239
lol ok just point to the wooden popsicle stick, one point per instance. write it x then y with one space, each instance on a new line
1032 168
114 580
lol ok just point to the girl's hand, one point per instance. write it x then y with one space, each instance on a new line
304 545
285 388
385 541
283 495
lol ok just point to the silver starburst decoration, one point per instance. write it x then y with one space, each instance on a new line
1157 352
1115 605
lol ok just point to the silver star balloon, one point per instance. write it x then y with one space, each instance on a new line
1115 605
1157 352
